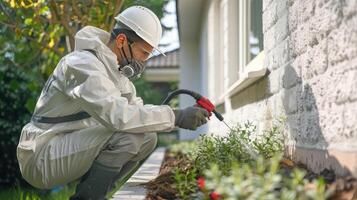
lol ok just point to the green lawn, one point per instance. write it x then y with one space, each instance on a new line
35 194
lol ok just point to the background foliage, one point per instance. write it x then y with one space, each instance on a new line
34 36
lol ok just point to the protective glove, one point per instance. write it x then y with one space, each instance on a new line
190 117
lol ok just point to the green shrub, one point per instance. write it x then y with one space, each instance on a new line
242 144
262 180
242 165
16 101
185 182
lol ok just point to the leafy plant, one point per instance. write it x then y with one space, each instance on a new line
185 182
226 168
241 144
270 142
262 180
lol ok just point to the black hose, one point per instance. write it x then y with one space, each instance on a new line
171 95
193 94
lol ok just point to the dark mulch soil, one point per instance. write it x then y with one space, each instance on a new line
161 188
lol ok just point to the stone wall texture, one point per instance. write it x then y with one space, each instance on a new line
311 48
311 53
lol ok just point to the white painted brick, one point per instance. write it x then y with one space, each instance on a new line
263 111
350 119
267 109
281 28
269 39
305 64
269 16
349 8
282 54
311 52
342 89
266 3
267 60
328 15
281 7
300 12
293 128
274 80
278 56
308 99
290 77
290 99
300 39
278 107
332 123
306 10
295 64
311 134
319 58
353 94
293 18
342 42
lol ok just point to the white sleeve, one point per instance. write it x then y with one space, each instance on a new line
98 96
135 99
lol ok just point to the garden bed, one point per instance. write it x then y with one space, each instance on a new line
222 168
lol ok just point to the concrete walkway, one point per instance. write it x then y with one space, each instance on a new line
133 189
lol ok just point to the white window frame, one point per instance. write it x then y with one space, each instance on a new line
248 72
215 51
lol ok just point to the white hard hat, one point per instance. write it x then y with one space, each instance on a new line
144 23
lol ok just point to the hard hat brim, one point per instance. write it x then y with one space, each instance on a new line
161 52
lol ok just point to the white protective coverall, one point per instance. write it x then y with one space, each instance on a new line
81 82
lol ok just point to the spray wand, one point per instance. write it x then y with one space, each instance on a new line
200 100
206 104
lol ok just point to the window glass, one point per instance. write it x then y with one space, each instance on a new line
256 29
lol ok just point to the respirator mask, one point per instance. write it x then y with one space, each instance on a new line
131 68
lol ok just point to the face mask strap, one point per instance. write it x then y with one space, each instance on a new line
130 49
122 52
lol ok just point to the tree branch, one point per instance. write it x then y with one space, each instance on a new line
107 15
7 24
115 13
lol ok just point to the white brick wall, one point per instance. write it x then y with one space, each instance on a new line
311 48
310 51
318 100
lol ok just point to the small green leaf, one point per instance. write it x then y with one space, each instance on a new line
28 21
30 104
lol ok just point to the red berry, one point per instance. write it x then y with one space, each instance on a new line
215 195
201 183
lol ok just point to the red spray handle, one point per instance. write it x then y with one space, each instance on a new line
208 105
200 100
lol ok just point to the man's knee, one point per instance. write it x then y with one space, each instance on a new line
123 147
150 142
124 142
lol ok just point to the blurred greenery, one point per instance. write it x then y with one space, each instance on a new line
17 96
17 193
147 92
34 36
38 33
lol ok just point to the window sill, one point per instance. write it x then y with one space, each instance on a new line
254 71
